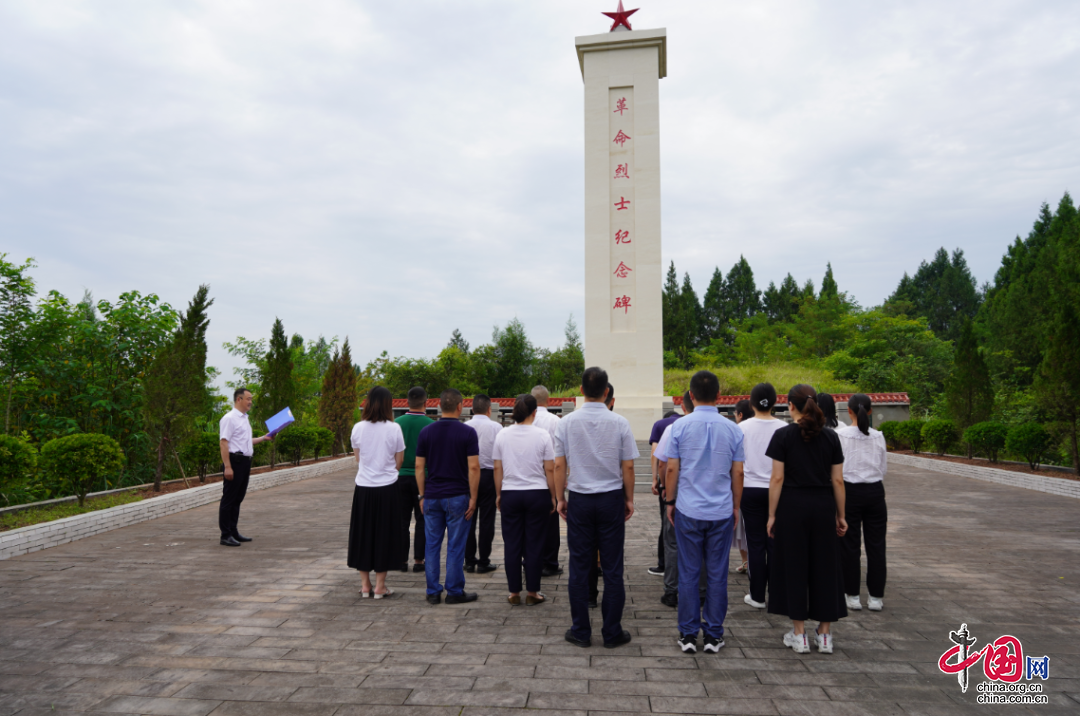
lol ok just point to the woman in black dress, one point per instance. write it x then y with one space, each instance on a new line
806 516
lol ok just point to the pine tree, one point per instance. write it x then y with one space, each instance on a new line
277 387
337 403
781 304
175 389
741 297
969 393
670 308
688 321
942 291
713 314
829 289
16 314
458 341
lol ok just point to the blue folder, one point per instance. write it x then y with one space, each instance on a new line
279 422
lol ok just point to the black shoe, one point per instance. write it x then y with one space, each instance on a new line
670 600
404 567
434 598
230 541
462 598
688 643
623 638
419 567
470 568
713 645
486 568
592 604
241 538
550 571
583 643
656 571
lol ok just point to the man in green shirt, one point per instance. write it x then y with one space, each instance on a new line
411 424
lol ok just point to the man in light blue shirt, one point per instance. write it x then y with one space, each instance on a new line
705 472
598 448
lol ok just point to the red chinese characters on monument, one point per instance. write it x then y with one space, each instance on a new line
623 271
622 171
623 203
622 237
621 138
623 302
620 106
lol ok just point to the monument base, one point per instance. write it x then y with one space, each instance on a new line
641 412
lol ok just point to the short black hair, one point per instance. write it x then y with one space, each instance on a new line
417 398
670 414
610 395
687 403
705 386
238 393
743 409
481 404
450 400
594 382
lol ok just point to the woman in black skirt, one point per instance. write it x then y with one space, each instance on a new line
806 515
379 447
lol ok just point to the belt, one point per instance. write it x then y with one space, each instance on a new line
240 454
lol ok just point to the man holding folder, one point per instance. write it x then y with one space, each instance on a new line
237 448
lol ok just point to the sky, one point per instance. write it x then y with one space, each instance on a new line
393 171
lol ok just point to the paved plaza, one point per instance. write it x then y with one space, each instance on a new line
158 618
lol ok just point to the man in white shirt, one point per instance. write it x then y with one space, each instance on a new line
598 448
237 448
486 430
553 541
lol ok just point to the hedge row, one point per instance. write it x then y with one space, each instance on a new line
1028 440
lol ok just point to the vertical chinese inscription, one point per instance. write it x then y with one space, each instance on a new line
622 242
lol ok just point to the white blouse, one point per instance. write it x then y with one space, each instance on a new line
376 445
522 449
865 456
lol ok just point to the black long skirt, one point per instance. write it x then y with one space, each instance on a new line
805 577
375 529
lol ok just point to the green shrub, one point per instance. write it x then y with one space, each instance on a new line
294 441
1029 440
939 434
324 441
987 438
911 432
203 451
892 431
18 461
80 463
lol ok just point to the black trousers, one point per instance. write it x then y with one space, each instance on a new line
866 513
759 546
485 517
596 521
805 580
552 543
409 504
660 538
232 494
524 523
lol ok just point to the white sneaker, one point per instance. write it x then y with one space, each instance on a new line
853 602
797 642
756 605
824 643
874 604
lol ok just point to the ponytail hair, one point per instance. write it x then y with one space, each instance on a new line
828 408
861 405
804 398
743 409
524 407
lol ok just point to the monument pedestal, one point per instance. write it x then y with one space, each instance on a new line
623 267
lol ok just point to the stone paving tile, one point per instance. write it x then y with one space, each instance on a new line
114 624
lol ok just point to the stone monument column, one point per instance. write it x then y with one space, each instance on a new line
623 271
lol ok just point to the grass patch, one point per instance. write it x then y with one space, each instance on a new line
48 513
740 379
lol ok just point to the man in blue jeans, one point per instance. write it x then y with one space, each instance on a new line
705 472
447 477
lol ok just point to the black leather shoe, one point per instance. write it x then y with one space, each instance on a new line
229 541
485 569
470 568
592 604
670 600
551 571
583 643
434 598
623 638
404 567
462 598
241 538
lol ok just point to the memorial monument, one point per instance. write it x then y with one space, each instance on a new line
623 269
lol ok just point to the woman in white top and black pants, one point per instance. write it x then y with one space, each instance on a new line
525 496
375 527
865 462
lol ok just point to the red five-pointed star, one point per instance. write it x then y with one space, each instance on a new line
621 17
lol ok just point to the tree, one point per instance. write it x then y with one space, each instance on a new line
458 341
82 462
277 387
670 308
16 315
338 399
969 394
781 304
515 356
829 289
175 383
1029 440
713 314
943 291
741 297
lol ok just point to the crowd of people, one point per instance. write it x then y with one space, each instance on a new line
798 499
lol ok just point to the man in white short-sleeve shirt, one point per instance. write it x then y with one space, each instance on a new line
484 516
552 540
237 448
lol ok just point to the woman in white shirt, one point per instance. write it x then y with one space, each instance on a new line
757 471
374 529
865 462
525 496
